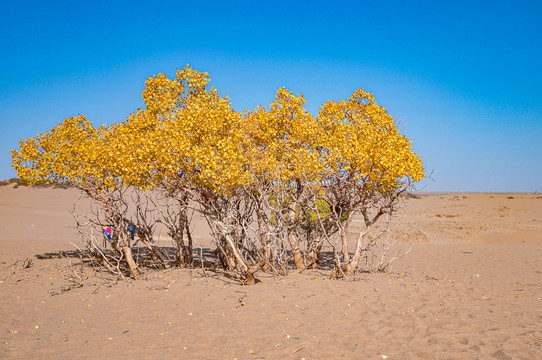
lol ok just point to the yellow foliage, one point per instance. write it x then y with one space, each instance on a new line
69 153
283 140
187 135
362 141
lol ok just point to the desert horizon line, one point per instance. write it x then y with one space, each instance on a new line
5 182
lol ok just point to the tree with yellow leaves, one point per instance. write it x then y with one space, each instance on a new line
76 154
283 163
368 165
191 146
262 179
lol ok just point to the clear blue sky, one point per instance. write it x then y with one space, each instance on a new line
463 77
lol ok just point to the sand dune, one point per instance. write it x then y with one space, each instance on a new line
469 289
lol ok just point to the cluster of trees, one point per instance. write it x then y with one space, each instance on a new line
276 184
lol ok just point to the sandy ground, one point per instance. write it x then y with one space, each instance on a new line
470 288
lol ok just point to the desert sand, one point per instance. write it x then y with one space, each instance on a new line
470 288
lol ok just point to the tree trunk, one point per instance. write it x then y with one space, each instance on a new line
353 264
127 251
249 275
267 256
296 252
314 255
179 242
344 243
238 259
155 251
294 242
261 235
189 253
344 239
227 253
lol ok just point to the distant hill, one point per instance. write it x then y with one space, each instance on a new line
18 182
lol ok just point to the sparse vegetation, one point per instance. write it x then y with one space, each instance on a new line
447 215
15 181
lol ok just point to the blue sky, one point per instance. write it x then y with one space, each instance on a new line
462 78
